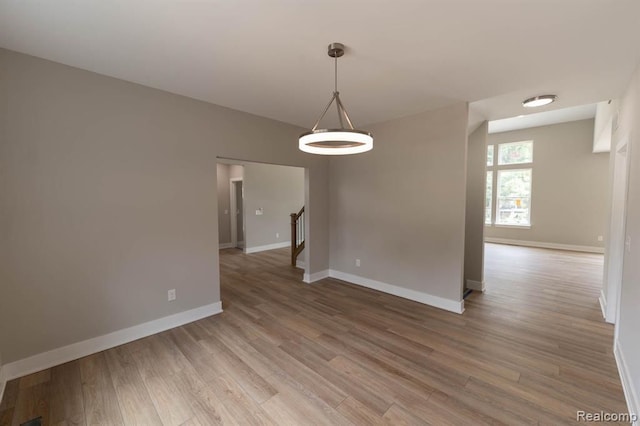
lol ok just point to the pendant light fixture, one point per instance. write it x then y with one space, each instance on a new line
340 141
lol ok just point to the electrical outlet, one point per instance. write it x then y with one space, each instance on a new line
171 295
277 235
600 238
627 243
358 263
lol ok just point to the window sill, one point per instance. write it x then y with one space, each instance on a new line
512 226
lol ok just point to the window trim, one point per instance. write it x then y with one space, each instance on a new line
493 155
513 226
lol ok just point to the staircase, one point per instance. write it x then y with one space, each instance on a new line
297 235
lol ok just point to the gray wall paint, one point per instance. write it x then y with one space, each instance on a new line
569 186
628 331
236 171
474 217
108 199
224 208
400 208
279 191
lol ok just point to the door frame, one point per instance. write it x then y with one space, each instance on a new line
234 211
617 229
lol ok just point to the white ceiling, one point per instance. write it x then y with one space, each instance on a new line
269 57
545 118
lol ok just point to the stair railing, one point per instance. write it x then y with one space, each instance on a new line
297 235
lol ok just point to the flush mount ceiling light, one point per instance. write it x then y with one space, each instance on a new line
340 141
538 101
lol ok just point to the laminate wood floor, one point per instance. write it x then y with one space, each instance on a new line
532 350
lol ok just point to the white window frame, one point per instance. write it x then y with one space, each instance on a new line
495 168
486 180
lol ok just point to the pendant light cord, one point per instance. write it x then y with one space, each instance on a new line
335 73
337 96
342 112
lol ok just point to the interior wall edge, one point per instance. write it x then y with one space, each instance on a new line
3 381
630 393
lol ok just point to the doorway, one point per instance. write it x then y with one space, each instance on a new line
613 276
255 203
237 212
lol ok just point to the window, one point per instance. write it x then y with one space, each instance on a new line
510 203
514 196
488 198
515 153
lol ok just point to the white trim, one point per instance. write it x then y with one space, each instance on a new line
498 225
77 350
417 296
256 249
222 246
541 244
617 229
3 381
475 285
603 303
300 264
630 393
316 276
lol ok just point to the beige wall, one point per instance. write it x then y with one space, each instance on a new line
569 186
474 216
400 208
278 191
629 315
108 199
224 208
236 171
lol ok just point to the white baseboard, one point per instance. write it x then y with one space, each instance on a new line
540 244
475 285
3 381
630 392
417 296
222 246
256 249
316 276
300 264
77 350
603 304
